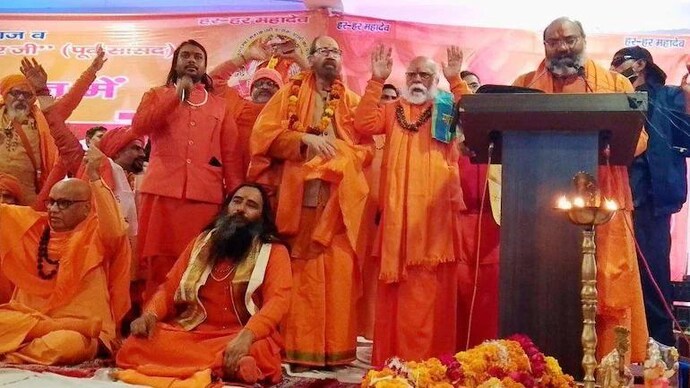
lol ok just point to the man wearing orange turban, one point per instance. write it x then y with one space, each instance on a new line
28 144
264 84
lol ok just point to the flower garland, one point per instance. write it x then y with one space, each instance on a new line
511 363
336 92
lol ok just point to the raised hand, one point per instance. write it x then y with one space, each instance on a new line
453 67
34 72
381 62
97 63
258 51
93 159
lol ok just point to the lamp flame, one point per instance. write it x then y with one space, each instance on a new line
563 203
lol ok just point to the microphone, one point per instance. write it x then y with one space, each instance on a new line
583 74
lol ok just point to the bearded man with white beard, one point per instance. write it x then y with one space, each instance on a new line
420 202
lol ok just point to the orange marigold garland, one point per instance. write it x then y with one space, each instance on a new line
334 96
512 363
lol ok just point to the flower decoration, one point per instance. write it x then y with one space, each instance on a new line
515 362
336 92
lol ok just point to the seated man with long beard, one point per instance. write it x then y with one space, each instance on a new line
218 312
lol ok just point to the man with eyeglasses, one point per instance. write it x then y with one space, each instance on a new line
566 69
28 144
307 154
657 179
420 200
70 267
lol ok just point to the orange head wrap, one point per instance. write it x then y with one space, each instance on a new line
271 74
11 81
11 184
114 140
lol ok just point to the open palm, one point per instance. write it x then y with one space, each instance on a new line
381 62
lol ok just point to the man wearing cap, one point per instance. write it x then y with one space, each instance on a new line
264 84
657 179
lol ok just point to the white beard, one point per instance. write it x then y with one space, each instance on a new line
567 66
20 115
418 94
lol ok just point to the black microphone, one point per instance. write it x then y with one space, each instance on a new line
581 73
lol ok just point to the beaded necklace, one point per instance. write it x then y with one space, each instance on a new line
43 257
423 118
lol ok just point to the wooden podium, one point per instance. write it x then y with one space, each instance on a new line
542 140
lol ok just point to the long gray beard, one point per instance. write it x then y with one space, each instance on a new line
566 66
20 115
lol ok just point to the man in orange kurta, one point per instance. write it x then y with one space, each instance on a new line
70 267
306 152
264 84
420 200
566 70
221 305
27 151
194 161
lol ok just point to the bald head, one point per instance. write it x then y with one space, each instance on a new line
564 22
69 203
564 47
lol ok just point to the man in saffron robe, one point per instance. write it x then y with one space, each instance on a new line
56 112
420 200
70 267
221 305
264 84
30 139
193 163
306 152
10 193
566 70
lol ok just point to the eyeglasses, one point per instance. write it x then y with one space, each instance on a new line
617 61
422 74
326 51
569 41
62 204
20 94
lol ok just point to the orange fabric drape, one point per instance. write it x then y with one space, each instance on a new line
618 276
204 345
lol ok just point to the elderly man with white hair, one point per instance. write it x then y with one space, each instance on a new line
420 202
